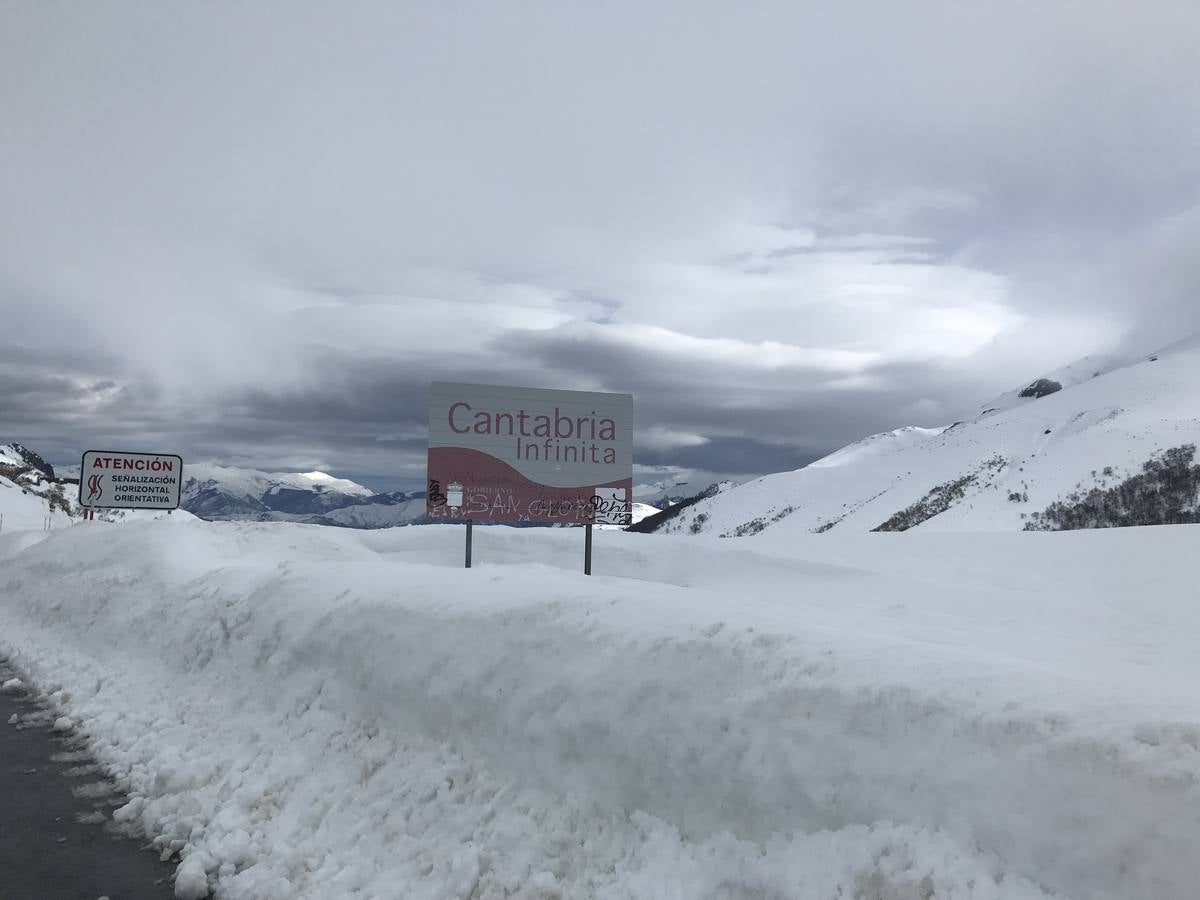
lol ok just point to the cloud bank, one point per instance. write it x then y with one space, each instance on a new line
254 235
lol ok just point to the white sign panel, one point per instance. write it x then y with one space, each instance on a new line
117 480
610 506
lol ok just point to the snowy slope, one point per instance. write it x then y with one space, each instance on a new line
21 509
637 513
14 454
1068 376
641 511
399 509
319 713
992 473
30 496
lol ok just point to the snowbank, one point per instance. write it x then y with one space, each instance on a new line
309 712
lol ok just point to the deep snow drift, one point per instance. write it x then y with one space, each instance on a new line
309 712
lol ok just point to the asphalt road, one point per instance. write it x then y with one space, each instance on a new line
56 839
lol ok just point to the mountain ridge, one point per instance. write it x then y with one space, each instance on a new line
1103 423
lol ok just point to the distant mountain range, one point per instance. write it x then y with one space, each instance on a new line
227 493
1102 442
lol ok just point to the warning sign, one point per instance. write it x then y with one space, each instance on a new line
118 480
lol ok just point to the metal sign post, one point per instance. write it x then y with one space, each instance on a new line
469 523
587 549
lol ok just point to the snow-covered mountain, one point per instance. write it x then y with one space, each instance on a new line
380 511
642 511
1102 442
661 494
31 497
226 493
35 468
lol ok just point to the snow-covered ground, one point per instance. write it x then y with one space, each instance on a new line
124 516
309 712
1018 457
22 509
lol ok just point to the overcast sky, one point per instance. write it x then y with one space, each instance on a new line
253 233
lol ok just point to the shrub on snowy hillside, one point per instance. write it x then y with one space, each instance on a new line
1165 492
15 474
937 501
754 526
943 496
58 500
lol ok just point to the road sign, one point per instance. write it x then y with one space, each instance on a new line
120 480
509 454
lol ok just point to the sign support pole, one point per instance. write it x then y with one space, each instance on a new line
587 549
469 523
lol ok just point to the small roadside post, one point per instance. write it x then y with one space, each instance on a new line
587 549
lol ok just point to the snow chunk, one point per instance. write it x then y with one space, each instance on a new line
191 878
13 684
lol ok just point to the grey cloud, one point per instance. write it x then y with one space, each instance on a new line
742 456
307 230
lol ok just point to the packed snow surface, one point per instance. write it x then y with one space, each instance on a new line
307 712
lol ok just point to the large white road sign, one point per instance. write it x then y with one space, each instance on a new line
118 480
510 454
